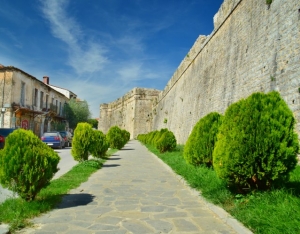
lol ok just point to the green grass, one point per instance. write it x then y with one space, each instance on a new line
17 212
271 212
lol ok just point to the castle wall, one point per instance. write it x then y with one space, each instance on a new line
254 47
131 112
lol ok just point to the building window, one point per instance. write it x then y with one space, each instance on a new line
60 108
22 101
56 106
35 101
41 99
47 97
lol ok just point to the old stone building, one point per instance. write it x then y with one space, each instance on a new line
131 112
29 103
254 47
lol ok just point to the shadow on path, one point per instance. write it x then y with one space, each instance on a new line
111 165
73 200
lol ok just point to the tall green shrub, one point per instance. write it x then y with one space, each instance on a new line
257 144
201 142
167 142
83 134
115 138
98 145
26 164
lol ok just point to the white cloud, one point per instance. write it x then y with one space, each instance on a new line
130 72
87 58
100 79
91 60
130 44
62 26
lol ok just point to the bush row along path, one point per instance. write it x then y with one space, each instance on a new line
135 192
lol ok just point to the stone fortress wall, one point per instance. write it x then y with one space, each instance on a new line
131 112
253 47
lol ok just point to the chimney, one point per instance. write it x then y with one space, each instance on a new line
46 79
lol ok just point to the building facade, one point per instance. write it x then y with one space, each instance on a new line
29 103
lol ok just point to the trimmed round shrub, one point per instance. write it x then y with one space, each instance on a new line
83 134
167 142
158 135
201 142
126 136
26 164
152 137
257 146
98 145
115 138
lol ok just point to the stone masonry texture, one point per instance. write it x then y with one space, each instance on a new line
131 112
254 47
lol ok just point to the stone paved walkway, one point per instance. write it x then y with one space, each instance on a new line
135 193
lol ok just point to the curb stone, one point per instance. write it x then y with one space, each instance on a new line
4 228
221 213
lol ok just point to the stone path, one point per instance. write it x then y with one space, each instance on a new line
135 193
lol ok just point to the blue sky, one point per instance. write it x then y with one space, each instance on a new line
101 49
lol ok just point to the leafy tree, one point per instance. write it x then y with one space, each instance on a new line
93 122
77 111
58 126
26 164
257 146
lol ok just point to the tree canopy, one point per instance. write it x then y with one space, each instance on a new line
76 112
93 122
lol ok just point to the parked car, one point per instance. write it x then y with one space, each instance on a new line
67 137
53 139
4 132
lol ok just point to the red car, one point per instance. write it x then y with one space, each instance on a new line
4 132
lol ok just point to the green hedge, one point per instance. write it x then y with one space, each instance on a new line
164 140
